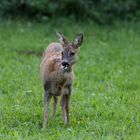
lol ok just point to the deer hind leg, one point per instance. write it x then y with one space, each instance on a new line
54 105
47 102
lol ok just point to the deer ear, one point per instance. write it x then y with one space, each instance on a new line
62 38
78 40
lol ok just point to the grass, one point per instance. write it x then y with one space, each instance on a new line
105 102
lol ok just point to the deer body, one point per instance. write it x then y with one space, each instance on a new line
55 79
57 74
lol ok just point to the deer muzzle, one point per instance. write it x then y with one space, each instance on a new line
65 64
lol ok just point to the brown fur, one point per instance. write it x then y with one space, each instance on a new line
56 80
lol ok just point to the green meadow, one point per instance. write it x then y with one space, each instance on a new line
105 101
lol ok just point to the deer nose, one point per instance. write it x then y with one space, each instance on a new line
65 63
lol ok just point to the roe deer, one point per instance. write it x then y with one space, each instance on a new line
57 74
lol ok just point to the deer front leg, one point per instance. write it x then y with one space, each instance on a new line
66 92
47 102
54 105
67 106
63 107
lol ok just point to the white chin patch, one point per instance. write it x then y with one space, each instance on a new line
66 68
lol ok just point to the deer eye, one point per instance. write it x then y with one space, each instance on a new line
72 53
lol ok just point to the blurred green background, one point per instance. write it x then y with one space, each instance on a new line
101 11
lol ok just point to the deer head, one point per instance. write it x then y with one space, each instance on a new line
69 53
